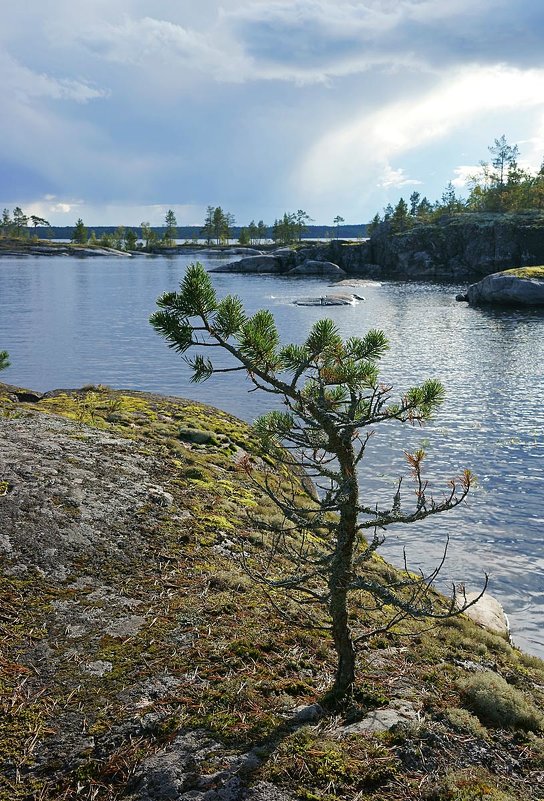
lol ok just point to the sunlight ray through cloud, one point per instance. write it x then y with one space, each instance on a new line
366 147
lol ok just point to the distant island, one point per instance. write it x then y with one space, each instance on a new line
499 226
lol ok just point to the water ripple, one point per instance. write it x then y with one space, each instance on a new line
70 322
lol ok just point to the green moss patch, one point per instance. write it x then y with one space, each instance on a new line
526 272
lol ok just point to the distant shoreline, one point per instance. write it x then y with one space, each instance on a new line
48 248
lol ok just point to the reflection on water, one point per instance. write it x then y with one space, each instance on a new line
68 322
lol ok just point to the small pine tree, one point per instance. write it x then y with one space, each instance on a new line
374 224
244 237
131 239
20 222
253 232
332 397
262 230
4 359
171 232
338 221
79 235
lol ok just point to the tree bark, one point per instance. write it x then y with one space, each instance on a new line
341 573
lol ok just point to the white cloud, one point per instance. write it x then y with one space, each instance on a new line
260 104
396 178
65 211
308 41
463 174
63 208
164 45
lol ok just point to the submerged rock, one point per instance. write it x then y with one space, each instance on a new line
241 251
330 300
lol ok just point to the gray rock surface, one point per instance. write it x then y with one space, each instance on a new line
380 720
308 714
487 613
251 264
460 246
184 771
506 288
315 267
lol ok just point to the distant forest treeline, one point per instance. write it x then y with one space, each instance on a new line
192 232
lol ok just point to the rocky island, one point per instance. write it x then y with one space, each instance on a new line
138 660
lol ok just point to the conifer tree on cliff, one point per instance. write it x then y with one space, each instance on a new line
332 396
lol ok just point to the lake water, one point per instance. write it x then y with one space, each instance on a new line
68 322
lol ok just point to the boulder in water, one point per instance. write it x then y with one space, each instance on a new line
522 286
251 264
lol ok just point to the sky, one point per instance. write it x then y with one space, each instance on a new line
117 110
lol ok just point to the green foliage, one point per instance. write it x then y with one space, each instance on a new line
468 786
217 225
148 235
79 235
131 239
465 722
244 237
497 703
338 221
20 221
317 767
290 227
4 359
36 221
119 237
527 272
171 231
230 316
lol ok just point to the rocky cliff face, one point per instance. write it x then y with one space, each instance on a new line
458 247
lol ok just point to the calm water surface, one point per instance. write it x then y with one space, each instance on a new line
67 322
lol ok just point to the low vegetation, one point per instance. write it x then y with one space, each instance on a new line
84 705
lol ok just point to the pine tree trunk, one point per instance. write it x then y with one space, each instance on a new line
345 669
340 575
